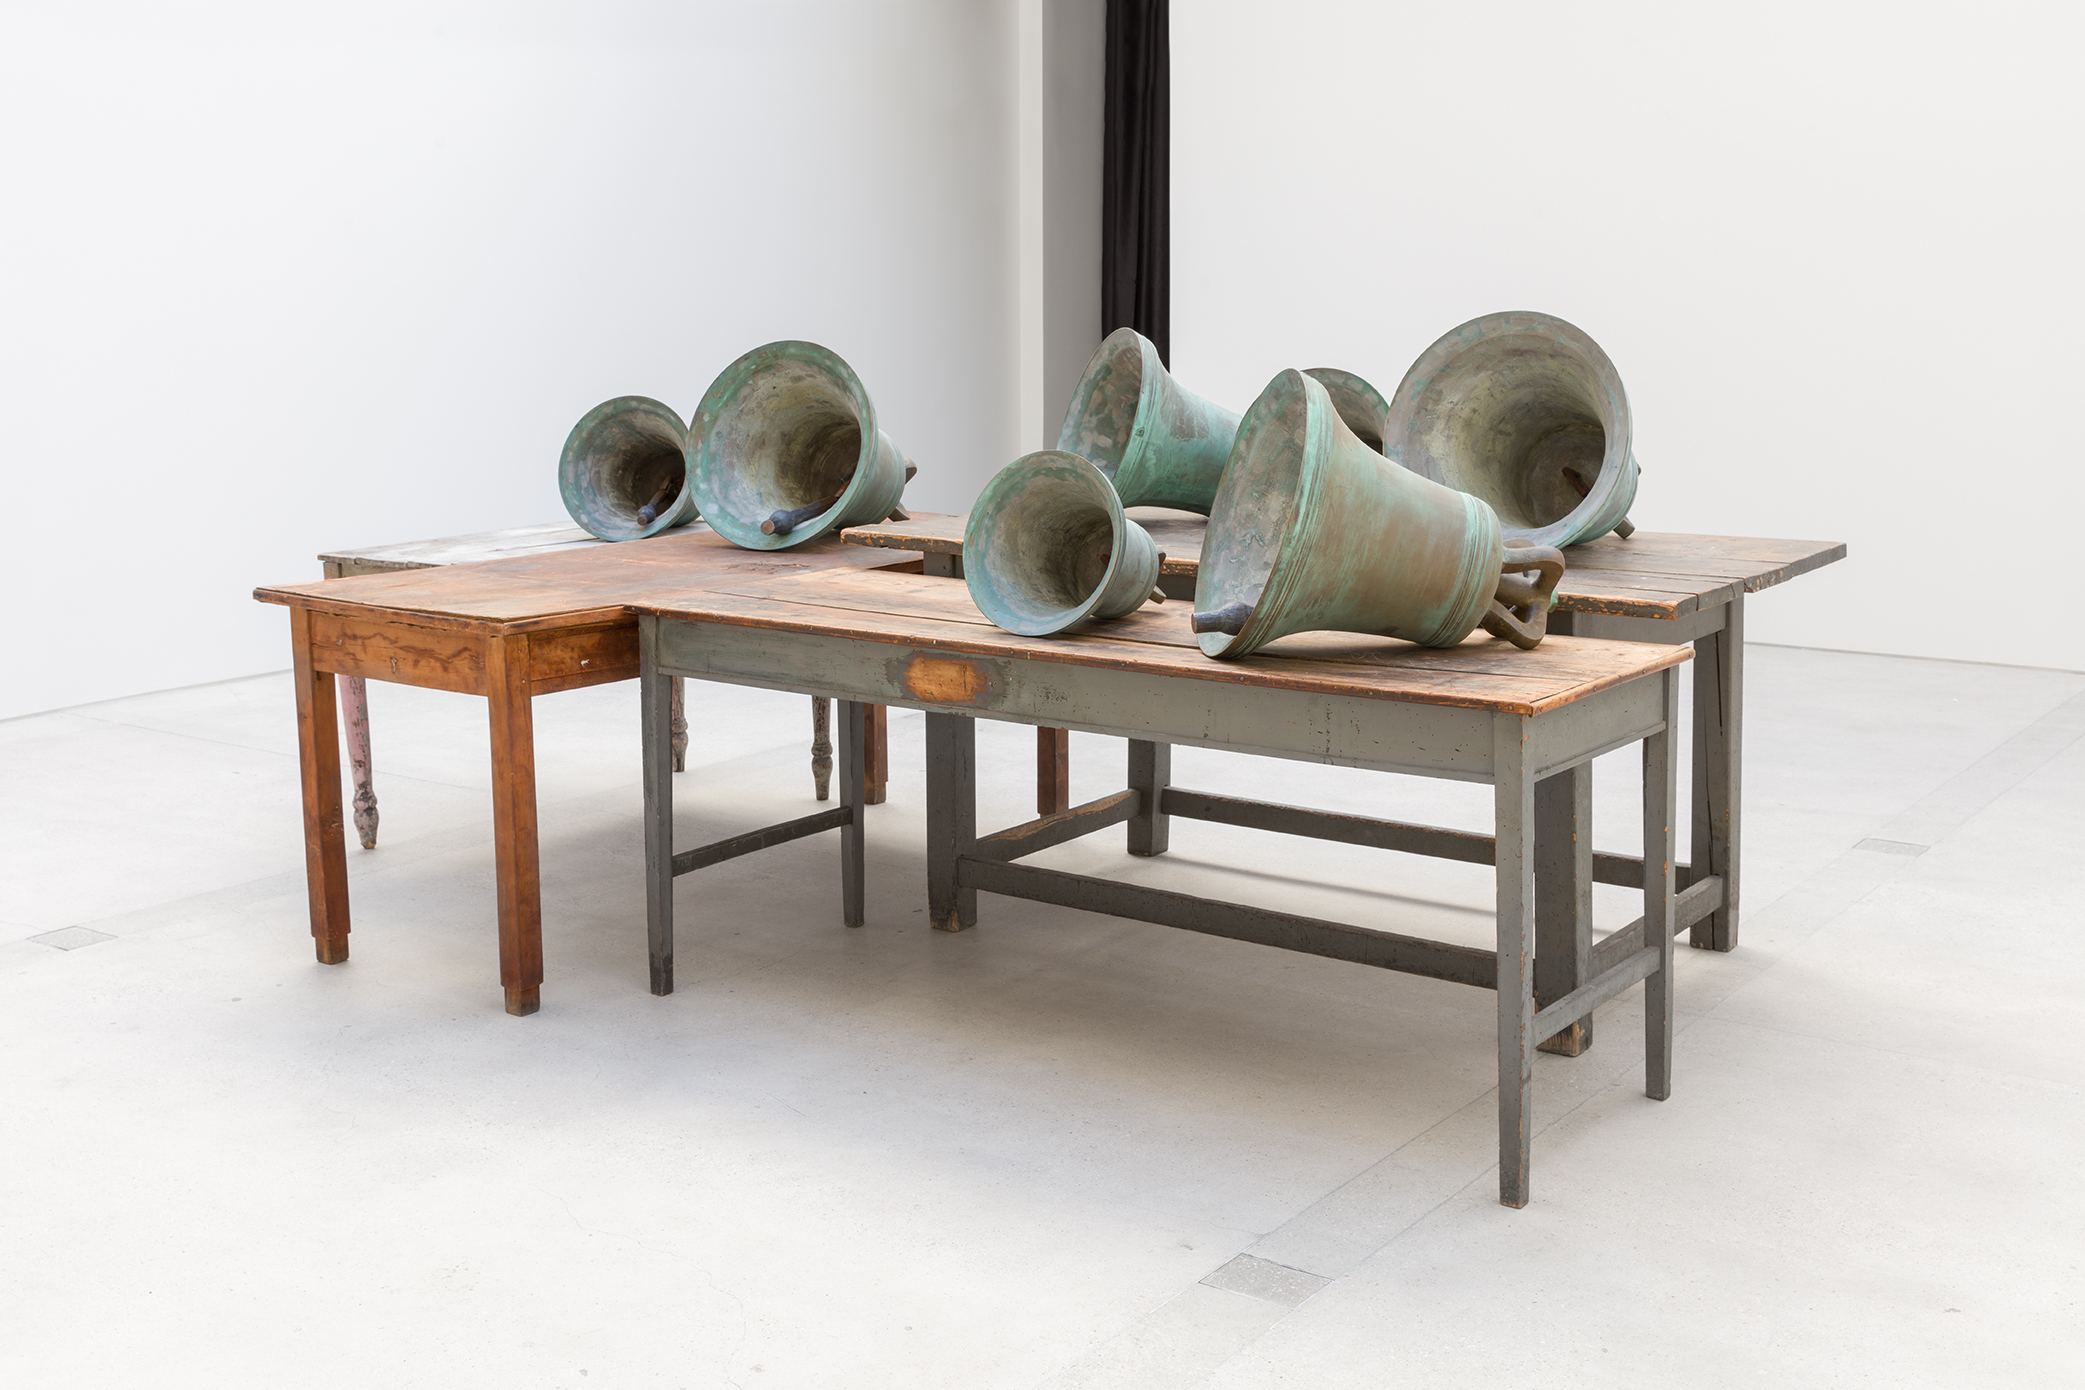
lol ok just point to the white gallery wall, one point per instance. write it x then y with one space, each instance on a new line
1834 250
282 279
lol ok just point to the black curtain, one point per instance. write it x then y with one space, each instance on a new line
1136 172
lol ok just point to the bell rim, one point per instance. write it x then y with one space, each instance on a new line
701 425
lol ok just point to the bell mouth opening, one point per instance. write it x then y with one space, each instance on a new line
624 474
1254 508
1103 413
1359 405
1042 544
787 442
1532 449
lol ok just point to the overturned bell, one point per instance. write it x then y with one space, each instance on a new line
785 448
1313 530
624 472
1160 443
1526 412
1047 546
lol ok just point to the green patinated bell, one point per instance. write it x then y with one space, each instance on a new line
1047 547
1313 530
1526 412
624 471
1159 443
784 448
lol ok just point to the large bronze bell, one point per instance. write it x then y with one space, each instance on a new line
1526 412
1314 530
1160 443
1047 547
624 470
784 448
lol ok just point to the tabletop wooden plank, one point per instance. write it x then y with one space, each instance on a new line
1653 574
459 550
926 611
583 584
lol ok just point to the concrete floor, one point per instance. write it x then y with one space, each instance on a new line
1058 1151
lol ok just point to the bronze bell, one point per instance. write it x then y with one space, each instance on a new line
624 470
785 448
1047 547
1526 412
1313 530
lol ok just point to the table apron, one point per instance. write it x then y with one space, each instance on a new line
1309 726
1668 631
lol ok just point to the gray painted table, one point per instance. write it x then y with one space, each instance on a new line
1659 587
1482 712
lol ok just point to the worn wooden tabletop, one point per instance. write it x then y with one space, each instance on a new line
1653 574
918 610
560 586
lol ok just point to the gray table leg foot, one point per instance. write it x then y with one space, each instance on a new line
1660 813
1150 772
951 818
854 781
654 699
1719 696
1514 803
1564 898
822 746
354 716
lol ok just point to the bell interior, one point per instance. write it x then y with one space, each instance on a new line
1050 547
1105 410
1257 499
627 458
790 436
1523 435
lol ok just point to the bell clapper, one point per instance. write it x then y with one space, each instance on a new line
1229 619
1625 528
781 523
649 512
1157 596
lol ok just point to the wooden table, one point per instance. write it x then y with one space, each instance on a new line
552 617
1482 711
1654 587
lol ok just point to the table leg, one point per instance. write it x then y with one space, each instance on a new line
822 745
951 818
1719 707
854 724
1514 800
652 698
1052 771
318 767
1660 814
680 725
514 822
877 736
1564 898
1150 772
354 712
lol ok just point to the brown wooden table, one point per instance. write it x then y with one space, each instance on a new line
1654 587
1482 711
552 618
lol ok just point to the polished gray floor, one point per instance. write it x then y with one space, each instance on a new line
1058 1151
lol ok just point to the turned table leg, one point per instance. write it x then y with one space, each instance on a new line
354 710
516 869
318 767
680 724
822 745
